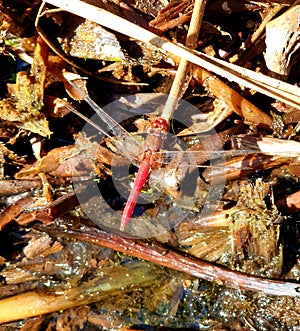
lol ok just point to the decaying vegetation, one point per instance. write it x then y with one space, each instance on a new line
220 254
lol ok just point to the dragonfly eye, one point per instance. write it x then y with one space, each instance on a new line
161 124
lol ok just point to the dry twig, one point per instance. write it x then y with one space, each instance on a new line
163 256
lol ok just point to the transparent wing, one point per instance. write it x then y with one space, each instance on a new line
127 144
244 144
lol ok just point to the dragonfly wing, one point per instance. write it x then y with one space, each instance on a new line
196 158
223 159
268 145
130 147
245 145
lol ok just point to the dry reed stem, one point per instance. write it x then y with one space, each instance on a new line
271 87
181 79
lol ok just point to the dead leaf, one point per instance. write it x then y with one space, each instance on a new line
12 211
280 56
24 107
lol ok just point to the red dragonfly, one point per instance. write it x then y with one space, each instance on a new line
147 154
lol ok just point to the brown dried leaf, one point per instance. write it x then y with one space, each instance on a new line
79 83
28 92
229 101
73 160
12 211
56 107
49 162
280 56
4 26
33 324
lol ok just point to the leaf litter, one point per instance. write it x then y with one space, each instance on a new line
236 269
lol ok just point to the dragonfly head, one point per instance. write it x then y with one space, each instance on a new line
160 124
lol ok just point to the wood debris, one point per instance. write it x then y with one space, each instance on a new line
214 239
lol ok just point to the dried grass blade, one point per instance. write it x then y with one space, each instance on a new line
271 87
